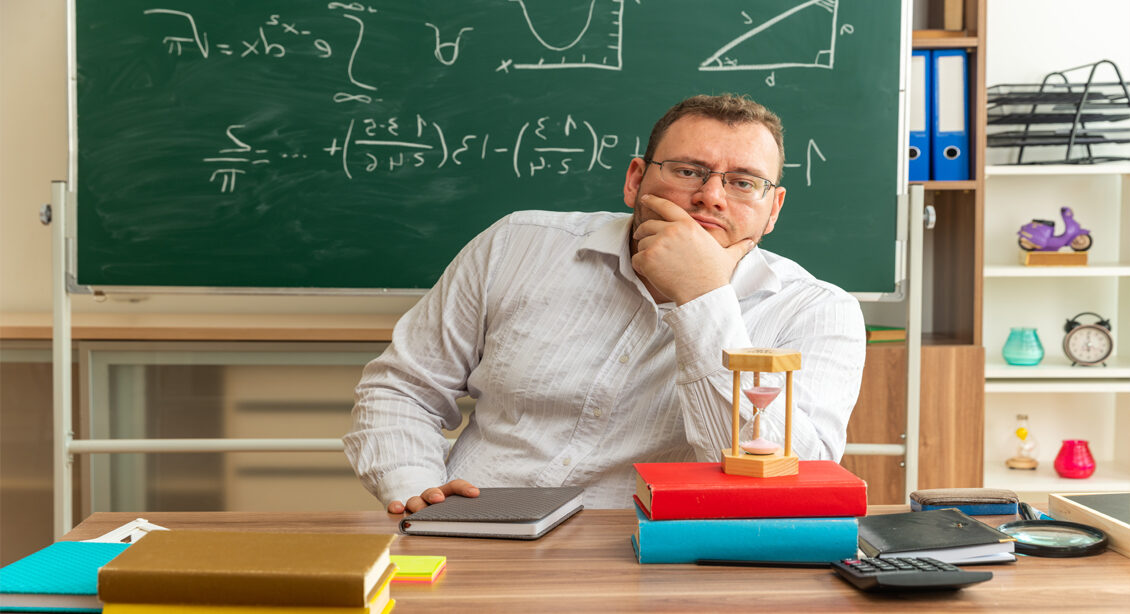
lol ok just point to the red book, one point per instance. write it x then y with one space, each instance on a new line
673 491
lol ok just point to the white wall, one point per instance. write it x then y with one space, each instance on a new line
1027 39
33 153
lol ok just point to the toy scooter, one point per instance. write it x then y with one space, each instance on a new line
1038 235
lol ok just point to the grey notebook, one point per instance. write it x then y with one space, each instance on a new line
510 513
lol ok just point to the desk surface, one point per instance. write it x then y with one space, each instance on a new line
587 564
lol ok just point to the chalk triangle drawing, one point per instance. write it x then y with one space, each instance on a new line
801 37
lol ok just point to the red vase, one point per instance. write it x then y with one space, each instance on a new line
1074 459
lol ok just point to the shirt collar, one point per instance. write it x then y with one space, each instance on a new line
753 273
610 238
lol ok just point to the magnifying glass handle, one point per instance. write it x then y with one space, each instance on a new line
1027 512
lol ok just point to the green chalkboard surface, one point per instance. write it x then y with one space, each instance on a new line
298 144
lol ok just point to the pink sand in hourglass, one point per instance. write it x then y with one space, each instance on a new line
761 397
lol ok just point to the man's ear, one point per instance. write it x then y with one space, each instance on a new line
632 180
775 210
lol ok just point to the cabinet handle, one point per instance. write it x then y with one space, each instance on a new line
929 217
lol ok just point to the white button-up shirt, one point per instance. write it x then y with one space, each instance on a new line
577 373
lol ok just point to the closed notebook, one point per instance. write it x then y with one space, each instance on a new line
511 513
248 568
776 540
61 577
948 535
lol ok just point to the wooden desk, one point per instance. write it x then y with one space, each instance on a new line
587 564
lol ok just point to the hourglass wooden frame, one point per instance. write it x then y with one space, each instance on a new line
758 361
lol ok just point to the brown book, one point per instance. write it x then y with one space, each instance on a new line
248 568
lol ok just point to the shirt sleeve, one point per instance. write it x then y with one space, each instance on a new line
826 327
408 394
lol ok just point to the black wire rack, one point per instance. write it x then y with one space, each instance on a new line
1058 112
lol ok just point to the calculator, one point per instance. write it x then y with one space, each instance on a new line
906 574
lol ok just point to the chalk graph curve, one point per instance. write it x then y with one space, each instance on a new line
534 31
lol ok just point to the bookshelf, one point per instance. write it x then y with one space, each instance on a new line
1062 401
952 390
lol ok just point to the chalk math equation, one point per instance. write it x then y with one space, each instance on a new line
369 145
369 142
596 41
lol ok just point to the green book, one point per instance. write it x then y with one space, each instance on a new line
885 334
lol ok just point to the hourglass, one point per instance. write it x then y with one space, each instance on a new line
760 397
760 458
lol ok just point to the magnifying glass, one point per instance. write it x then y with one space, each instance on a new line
1053 538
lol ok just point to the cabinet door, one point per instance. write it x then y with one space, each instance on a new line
880 417
952 417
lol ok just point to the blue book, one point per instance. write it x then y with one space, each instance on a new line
62 577
972 509
779 540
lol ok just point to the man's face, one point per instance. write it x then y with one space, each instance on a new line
747 148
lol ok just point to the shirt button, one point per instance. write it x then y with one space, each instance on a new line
597 412
623 359
566 461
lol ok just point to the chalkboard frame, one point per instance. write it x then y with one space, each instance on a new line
898 274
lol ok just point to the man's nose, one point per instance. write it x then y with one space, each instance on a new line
713 190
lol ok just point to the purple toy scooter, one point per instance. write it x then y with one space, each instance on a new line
1038 235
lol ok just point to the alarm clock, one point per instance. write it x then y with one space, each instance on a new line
1087 344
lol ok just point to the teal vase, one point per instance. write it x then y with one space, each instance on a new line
1023 348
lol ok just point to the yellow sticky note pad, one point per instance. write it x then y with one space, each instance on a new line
418 568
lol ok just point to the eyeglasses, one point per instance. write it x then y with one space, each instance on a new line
739 186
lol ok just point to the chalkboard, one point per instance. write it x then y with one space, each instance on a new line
297 144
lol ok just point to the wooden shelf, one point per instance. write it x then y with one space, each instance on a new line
943 39
947 185
937 339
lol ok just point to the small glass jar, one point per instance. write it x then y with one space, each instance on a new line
1025 457
1023 348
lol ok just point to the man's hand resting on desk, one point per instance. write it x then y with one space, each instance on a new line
434 495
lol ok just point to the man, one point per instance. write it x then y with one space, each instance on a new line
592 341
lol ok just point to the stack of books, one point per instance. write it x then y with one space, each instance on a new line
230 572
695 513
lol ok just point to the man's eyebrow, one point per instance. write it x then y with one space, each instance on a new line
741 169
755 172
